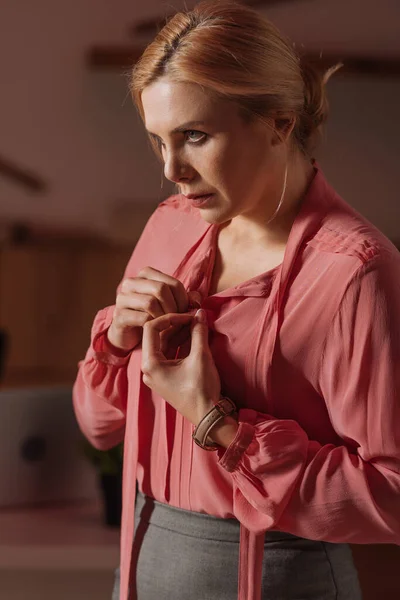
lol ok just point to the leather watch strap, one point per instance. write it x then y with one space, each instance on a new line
225 407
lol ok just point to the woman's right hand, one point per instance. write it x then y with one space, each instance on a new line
149 295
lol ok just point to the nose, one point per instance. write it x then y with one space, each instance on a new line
176 169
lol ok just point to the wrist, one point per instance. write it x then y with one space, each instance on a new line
224 432
109 346
218 427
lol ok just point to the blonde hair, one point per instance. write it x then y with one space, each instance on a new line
237 54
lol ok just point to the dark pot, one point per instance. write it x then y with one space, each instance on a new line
111 487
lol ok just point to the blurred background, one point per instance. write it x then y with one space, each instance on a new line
78 181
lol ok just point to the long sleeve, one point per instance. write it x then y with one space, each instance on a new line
100 392
348 493
101 388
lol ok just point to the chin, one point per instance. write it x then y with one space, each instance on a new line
214 217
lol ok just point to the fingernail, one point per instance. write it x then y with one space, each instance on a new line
201 316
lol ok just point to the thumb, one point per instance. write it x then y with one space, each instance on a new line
199 333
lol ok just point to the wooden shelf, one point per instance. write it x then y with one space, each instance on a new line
23 377
48 309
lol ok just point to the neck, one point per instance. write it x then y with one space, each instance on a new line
254 226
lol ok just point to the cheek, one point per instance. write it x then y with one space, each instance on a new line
236 167
229 166
243 170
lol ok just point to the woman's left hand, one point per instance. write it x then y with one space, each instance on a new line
191 385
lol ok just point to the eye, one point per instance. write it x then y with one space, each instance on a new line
195 137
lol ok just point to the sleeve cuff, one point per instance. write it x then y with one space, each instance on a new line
230 457
102 350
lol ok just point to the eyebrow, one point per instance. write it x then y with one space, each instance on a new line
183 127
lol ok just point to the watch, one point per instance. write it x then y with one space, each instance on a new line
225 407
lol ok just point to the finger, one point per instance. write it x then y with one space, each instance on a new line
182 336
151 346
199 334
173 338
124 318
174 285
151 287
140 302
169 336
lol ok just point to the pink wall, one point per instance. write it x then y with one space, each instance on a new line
361 151
78 128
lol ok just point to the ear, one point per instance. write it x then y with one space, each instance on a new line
283 130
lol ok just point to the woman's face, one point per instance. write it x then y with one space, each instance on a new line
209 148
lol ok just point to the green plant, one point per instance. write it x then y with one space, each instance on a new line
107 462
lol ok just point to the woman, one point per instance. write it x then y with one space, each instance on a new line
297 340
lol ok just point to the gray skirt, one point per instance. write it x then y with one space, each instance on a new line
185 555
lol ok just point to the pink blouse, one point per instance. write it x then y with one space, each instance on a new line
310 353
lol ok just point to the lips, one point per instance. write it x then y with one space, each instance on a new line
196 196
200 201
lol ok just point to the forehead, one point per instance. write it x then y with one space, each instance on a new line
168 104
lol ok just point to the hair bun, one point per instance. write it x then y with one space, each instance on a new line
316 106
237 54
